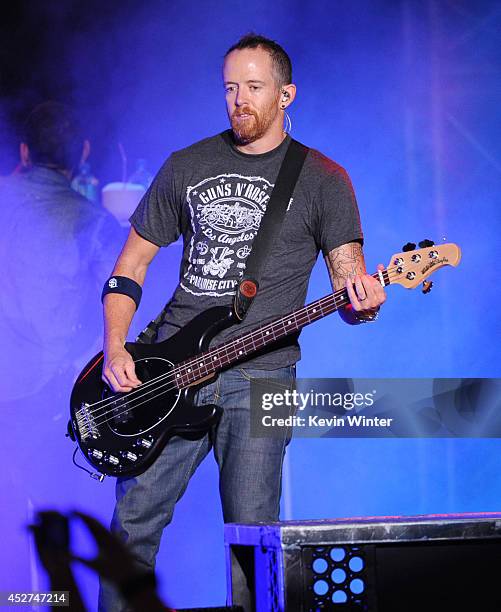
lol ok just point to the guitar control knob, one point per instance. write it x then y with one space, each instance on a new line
113 460
416 257
144 443
410 275
96 454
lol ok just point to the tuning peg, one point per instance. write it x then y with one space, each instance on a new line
427 285
426 243
410 246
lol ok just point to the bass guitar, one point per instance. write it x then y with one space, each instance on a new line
121 434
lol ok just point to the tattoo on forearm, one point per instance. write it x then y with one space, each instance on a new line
344 262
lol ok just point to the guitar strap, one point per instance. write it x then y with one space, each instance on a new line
271 222
269 228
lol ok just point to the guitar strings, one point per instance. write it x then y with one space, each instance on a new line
197 359
131 402
230 345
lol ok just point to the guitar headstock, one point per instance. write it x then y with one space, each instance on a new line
411 267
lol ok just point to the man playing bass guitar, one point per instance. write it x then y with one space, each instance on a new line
214 193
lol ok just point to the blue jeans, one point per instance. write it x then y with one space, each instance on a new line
250 473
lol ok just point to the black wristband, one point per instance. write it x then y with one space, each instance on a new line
125 286
137 584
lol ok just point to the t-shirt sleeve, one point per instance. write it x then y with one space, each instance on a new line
158 215
338 216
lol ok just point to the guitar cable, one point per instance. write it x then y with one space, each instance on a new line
95 475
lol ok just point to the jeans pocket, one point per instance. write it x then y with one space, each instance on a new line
283 378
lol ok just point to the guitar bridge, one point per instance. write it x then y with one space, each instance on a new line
85 422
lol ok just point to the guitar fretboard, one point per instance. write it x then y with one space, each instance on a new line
232 351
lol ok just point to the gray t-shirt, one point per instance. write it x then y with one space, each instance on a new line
215 196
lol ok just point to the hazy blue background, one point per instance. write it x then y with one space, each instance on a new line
406 96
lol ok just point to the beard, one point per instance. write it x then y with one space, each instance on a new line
255 125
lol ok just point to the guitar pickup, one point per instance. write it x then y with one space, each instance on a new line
120 412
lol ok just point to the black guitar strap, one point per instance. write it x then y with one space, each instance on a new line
269 228
268 231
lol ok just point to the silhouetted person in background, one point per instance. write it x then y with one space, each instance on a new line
56 250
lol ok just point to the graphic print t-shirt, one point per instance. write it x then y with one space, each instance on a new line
215 197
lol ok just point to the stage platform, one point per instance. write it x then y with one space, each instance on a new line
373 564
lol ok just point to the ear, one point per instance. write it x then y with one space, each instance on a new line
85 151
24 154
287 95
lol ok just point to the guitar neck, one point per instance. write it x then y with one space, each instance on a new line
232 351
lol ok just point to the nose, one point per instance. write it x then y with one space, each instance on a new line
240 98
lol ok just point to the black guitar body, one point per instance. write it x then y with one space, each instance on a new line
122 434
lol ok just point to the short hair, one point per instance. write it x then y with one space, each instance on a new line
280 60
54 136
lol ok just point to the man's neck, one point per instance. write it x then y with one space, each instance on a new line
268 142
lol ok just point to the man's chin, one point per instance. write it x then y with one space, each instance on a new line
244 136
